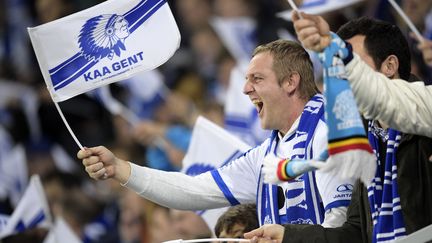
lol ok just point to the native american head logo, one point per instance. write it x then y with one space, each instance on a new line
103 36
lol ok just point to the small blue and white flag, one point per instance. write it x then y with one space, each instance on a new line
104 44
61 232
147 91
14 173
32 211
13 169
238 34
241 116
210 148
4 219
6 146
319 7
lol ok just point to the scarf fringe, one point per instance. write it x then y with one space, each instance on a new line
353 164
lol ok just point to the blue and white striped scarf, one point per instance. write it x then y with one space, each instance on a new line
384 200
267 195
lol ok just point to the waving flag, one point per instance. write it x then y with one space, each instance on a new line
6 146
3 221
210 148
238 35
147 91
103 44
61 232
319 7
14 172
32 211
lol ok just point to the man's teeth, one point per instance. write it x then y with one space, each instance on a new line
258 105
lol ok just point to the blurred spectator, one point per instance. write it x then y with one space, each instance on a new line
160 224
131 226
167 144
189 225
49 10
236 221
420 13
36 235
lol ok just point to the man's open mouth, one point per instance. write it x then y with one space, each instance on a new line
258 105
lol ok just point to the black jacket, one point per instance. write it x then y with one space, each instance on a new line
415 190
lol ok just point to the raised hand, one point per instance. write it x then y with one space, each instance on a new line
100 163
425 46
312 31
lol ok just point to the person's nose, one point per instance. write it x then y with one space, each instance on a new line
247 88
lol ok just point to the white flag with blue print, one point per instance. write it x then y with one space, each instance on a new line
319 7
14 173
3 221
32 211
61 232
104 44
210 148
238 35
6 146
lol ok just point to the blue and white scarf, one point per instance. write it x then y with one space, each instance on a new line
267 195
384 199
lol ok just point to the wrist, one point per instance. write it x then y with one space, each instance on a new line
122 171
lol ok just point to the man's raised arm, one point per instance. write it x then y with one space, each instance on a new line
404 106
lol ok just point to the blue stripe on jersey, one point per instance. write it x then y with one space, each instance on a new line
224 188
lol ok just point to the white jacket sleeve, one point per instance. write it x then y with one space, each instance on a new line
404 106
175 189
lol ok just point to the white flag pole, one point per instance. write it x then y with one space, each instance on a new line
294 7
67 125
407 20
208 240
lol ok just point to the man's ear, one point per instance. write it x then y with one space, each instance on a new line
390 66
291 82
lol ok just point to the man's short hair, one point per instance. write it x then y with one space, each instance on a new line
289 56
382 39
243 214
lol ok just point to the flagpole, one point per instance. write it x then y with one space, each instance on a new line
407 20
207 240
67 125
294 7
216 239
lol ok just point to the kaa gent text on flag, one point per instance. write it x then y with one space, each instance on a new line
104 44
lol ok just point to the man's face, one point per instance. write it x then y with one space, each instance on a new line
357 43
264 91
121 27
